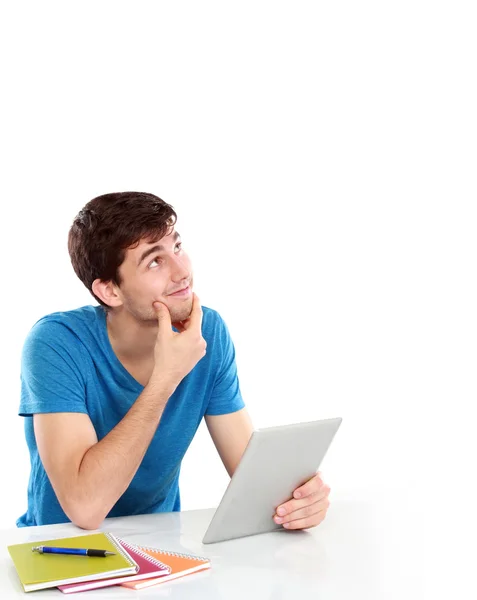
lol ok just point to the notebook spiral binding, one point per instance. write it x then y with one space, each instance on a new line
140 551
177 554
120 549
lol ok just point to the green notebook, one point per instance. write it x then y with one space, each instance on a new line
39 571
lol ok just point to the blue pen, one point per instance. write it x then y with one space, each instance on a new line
76 551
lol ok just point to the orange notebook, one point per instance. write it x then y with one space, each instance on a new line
180 565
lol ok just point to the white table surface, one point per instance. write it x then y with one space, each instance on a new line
365 549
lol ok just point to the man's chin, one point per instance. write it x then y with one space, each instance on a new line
181 314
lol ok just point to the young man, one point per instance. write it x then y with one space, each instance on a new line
113 394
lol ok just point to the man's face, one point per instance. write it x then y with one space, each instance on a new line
155 271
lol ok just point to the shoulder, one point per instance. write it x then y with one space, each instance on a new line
60 328
212 322
216 332
210 316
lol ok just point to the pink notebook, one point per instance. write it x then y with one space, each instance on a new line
180 564
148 567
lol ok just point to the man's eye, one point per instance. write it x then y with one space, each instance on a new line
155 262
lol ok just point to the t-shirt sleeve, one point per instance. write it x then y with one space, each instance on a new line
51 379
226 396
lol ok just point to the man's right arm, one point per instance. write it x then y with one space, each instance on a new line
89 476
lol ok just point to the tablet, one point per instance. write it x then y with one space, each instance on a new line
276 461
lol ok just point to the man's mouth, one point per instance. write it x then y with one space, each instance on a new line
185 291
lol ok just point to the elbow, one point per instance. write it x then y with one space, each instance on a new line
85 520
88 523
84 516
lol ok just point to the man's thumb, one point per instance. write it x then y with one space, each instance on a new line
162 312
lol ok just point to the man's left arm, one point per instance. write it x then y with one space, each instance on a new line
309 504
230 434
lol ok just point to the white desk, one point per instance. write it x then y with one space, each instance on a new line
363 550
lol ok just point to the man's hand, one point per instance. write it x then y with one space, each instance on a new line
176 354
308 506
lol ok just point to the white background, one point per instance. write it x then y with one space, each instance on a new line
322 160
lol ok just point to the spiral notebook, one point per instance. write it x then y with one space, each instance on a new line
40 571
180 565
148 567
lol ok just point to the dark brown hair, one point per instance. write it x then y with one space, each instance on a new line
107 226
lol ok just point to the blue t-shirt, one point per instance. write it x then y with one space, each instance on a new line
68 365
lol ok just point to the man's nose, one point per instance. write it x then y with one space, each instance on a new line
179 269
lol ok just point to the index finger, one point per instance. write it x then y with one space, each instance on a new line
195 319
312 486
163 316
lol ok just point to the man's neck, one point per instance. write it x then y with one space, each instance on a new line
133 341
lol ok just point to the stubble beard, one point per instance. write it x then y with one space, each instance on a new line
177 313
182 312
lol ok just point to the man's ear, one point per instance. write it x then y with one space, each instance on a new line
108 292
